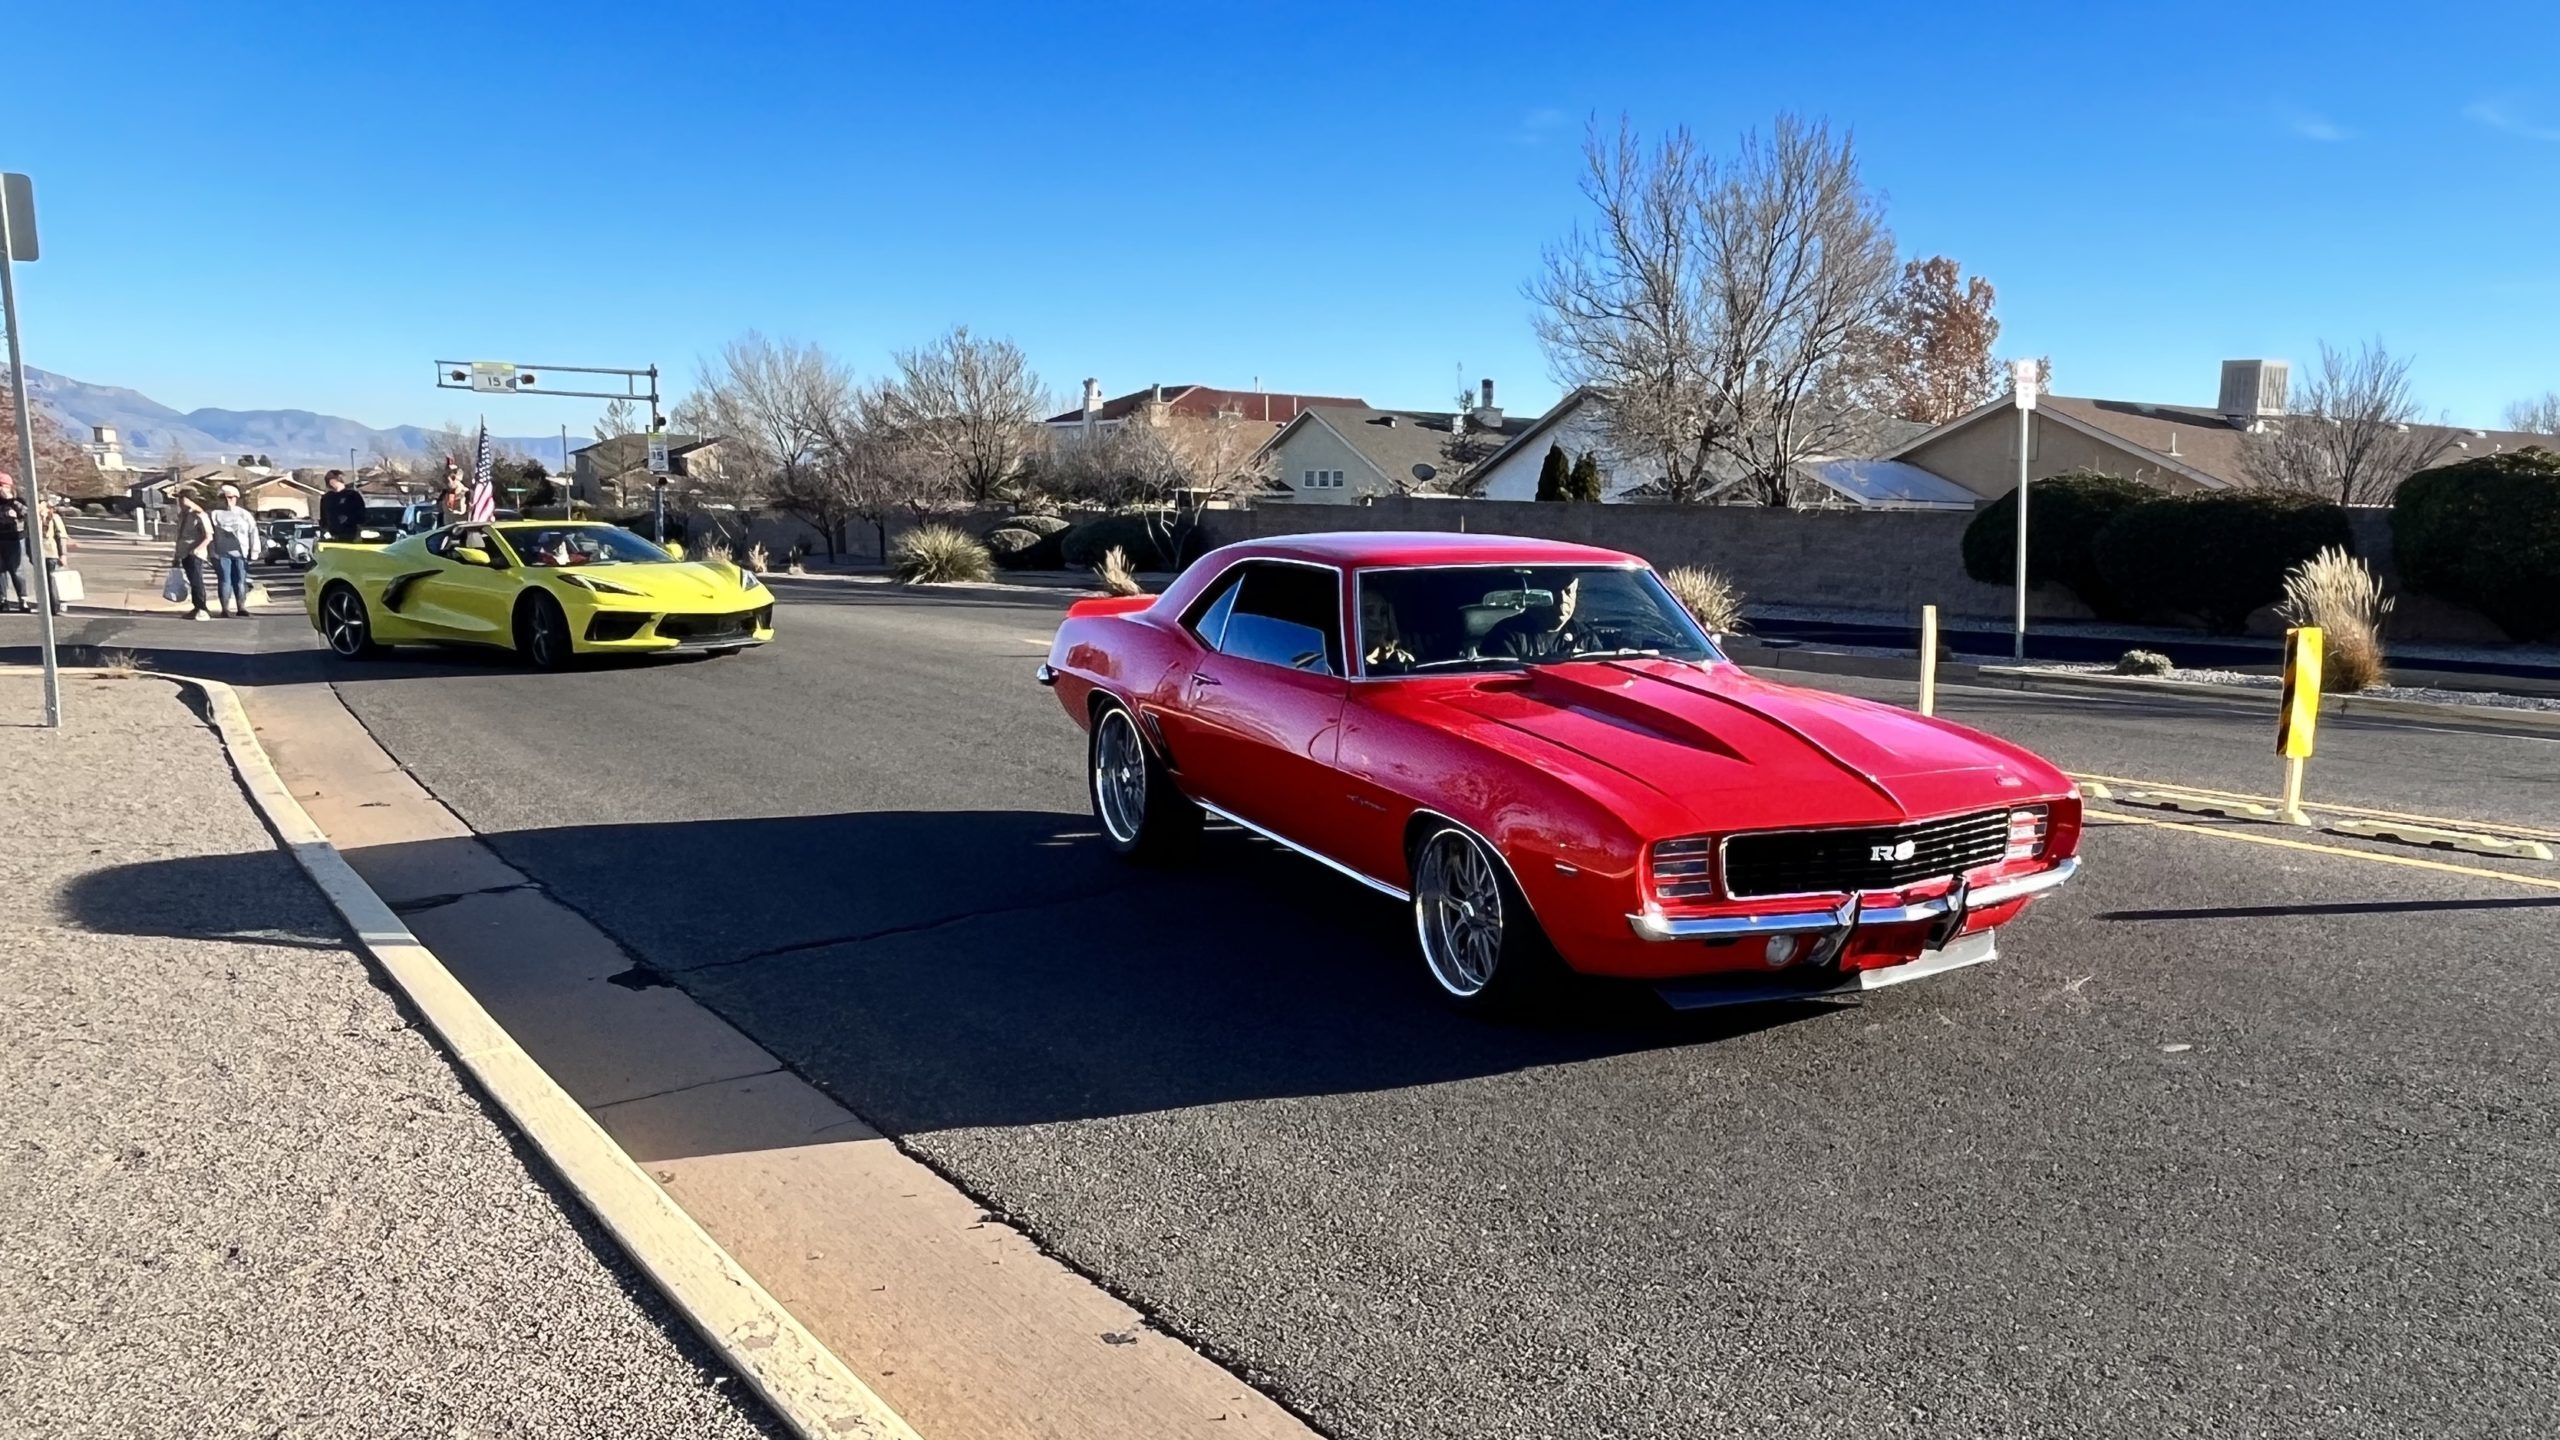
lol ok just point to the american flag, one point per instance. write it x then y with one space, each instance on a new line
483 502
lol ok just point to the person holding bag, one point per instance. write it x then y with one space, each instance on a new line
54 542
194 542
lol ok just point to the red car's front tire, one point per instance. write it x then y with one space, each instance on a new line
1479 941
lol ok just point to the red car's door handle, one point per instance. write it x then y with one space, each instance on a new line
1199 679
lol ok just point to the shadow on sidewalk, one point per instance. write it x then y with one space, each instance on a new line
994 968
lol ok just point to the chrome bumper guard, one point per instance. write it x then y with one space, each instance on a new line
1835 925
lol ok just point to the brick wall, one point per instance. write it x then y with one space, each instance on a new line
1884 560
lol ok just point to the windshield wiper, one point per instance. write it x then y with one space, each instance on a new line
1625 652
1512 662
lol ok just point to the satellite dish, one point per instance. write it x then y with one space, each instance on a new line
1424 472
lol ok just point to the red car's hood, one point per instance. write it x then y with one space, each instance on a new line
1732 750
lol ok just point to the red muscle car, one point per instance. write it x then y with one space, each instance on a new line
1537 748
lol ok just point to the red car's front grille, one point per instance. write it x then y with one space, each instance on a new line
1874 857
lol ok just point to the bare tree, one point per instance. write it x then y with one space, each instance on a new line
1933 358
621 417
1721 312
63 467
2352 432
972 406
2541 415
1160 459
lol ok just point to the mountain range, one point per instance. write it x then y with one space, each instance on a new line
149 430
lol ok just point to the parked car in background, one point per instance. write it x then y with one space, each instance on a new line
291 542
1536 748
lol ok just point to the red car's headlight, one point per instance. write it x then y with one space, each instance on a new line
1682 869
2029 827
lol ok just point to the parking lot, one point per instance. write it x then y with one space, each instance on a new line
2248 1132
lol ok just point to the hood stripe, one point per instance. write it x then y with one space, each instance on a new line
1766 716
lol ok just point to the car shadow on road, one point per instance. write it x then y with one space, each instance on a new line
940 970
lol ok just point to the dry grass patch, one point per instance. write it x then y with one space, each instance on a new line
121 665
759 559
1708 597
1114 574
2334 591
939 554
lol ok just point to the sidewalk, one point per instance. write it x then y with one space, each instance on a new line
119 572
246 1196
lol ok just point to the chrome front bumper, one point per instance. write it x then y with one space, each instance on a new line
1948 910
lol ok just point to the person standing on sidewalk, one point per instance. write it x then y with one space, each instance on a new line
17 528
342 509
194 540
53 542
235 539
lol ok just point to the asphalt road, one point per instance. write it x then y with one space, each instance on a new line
2234 1140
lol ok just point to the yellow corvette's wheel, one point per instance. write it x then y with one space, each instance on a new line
542 633
346 625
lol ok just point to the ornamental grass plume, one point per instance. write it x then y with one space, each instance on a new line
1708 597
2335 591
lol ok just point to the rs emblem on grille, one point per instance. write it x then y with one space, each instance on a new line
1902 851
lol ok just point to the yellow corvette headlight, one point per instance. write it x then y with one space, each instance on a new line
595 586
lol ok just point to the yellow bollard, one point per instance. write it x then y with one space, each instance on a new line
2298 716
1928 659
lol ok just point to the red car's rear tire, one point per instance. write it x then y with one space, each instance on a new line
1142 815
1480 944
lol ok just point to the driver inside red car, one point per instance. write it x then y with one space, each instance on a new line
1540 632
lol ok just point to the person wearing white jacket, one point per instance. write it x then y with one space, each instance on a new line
235 539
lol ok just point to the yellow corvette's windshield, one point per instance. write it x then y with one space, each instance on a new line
563 545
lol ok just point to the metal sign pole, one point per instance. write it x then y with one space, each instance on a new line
2022 381
13 216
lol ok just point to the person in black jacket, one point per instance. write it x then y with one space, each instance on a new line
342 509
17 536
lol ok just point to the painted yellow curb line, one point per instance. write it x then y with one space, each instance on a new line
803 1381
2437 838
2260 837
2500 826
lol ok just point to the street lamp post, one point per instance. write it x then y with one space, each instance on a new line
2022 388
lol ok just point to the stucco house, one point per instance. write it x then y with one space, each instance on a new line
1097 417
2180 448
1345 454
616 471
261 490
1575 426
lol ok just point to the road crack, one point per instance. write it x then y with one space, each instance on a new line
430 902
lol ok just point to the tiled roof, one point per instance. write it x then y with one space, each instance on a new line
1413 447
2200 439
1205 401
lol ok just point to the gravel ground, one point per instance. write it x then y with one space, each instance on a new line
245 1197
2429 693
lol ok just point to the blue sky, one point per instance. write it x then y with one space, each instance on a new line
303 205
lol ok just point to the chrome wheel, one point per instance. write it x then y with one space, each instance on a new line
1457 907
1119 775
344 623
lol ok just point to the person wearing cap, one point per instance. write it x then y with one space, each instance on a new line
194 537
53 543
17 525
235 539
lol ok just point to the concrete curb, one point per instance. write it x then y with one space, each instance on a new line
804 1382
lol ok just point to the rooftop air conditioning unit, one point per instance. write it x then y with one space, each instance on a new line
2253 390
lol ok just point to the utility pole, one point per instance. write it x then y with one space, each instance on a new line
18 242
2022 388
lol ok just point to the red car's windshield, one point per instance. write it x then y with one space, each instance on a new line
1500 617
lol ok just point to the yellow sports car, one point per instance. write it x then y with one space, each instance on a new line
550 590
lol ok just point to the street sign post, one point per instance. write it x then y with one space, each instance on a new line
493 377
18 242
658 454
2298 717
2022 388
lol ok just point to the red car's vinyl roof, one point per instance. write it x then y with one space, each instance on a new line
1357 548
